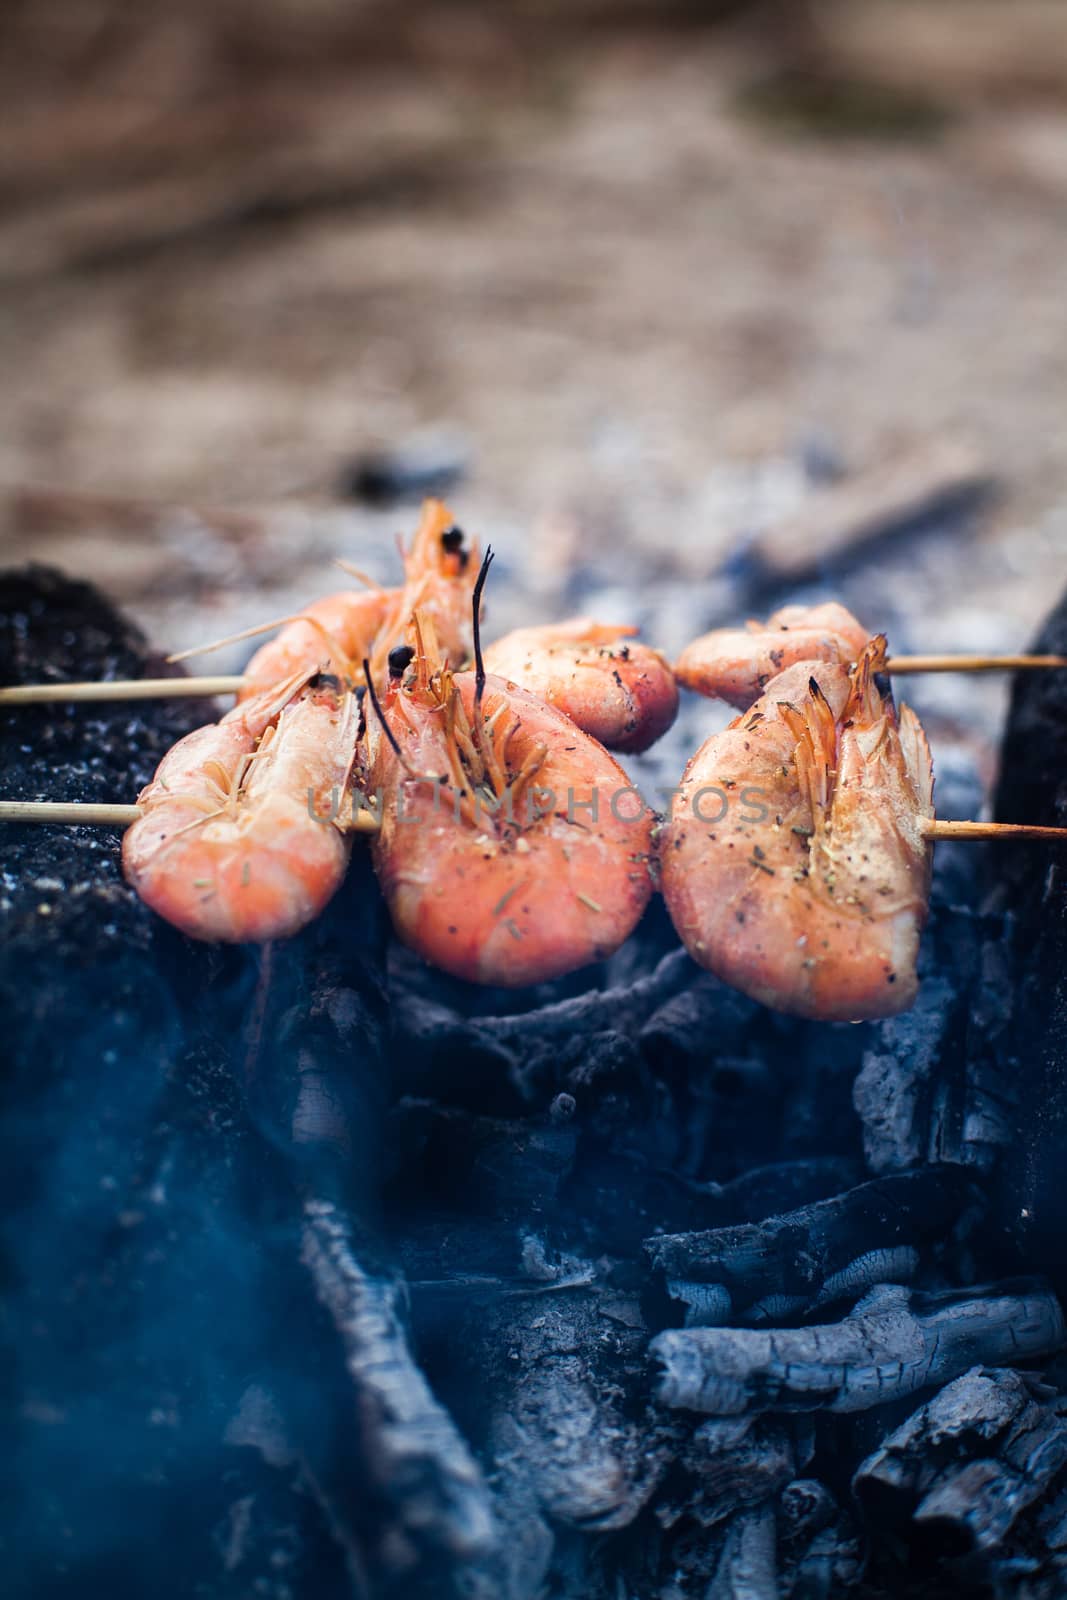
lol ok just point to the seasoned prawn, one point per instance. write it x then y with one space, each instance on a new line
332 635
795 865
337 633
736 664
512 848
440 573
232 845
621 692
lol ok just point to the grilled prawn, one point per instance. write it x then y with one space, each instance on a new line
737 664
232 845
512 848
795 865
337 633
621 692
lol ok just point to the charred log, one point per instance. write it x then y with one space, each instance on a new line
892 1344
972 1479
831 1250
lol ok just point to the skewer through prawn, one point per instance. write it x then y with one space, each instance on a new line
512 848
796 863
736 664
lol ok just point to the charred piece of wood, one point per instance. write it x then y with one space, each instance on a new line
828 1251
894 1343
973 1481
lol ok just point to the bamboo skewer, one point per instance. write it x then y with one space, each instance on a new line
973 663
68 811
936 829
79 811
29 694
26 694
364 821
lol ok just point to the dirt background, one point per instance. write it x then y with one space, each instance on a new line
657 276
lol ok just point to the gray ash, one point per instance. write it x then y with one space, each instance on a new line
328 1276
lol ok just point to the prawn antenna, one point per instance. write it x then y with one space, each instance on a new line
476 604
376 703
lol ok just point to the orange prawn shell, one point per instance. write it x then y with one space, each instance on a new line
618 690
265 866
330 635
337 632
503 906
824 929
737 664
439 583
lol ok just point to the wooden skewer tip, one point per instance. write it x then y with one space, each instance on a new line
909 664
28 694
68 811
936 828
116 816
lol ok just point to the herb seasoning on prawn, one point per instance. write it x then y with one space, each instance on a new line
230 845
816 908
736 664
512 848
615 688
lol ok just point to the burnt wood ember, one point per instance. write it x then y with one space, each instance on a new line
419 1499
937 1084
892 1343
747 1568
791 1263
972 1482
510 1062
820 1545
1033 783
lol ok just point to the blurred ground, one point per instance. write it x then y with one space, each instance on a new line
659 270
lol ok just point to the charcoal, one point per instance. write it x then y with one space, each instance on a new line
938 1085
686 1025
420 1495
311 1048
506 1063
966 1481
747 1568
893 1343
400 1488
1030 879
739 1463
824 1252
820 1548
550 1385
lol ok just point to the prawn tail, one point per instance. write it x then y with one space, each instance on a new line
870 694
917 760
